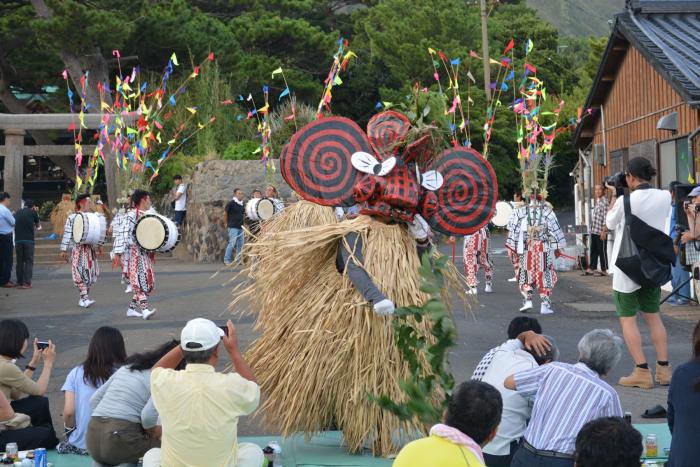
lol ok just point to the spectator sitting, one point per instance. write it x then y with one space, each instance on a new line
471 420
25 394
566 397
684 409
204 431
608 442
105 354
516 408
123 425
520 330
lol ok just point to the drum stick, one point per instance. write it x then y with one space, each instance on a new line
454 249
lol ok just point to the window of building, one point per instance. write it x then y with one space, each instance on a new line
618 161
675 162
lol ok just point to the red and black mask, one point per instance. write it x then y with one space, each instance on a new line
332 162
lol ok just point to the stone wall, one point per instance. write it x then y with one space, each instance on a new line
210 188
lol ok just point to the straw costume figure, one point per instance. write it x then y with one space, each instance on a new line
60 213
323 289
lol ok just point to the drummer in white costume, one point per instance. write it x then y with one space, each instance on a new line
141 275
84 267
120 261
272 194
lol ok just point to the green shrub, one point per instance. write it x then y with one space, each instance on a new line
241 150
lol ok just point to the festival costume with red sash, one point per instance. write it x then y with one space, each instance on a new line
534 236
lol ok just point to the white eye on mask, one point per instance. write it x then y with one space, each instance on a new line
367 163
431 180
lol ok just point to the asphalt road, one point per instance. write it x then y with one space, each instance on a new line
187 290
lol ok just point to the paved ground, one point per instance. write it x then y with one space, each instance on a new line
186 290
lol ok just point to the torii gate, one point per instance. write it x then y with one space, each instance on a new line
15 127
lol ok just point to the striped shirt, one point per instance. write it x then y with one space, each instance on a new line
566 398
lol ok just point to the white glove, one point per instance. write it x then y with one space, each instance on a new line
384 308
419 228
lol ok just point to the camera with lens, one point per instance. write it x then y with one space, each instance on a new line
617 180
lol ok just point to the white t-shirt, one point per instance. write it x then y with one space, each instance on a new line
516 408
182 200
651 206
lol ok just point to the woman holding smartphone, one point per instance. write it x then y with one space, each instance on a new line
26 395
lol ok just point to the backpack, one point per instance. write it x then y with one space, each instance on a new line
646 254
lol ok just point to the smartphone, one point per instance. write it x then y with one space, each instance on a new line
225 328
42 345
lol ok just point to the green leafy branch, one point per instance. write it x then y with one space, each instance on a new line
430 383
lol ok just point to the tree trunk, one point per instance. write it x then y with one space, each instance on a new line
99 72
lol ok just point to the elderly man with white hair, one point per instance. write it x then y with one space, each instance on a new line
566 397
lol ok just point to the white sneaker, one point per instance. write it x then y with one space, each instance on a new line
85 302
471 291
131 313
384 308
546 309
146 314
513 279
527 305
129 289
488 288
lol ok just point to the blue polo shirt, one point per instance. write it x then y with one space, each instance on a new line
7 221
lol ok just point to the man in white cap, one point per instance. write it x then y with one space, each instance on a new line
199 407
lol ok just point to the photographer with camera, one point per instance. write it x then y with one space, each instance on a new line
648 205
689 238
679 279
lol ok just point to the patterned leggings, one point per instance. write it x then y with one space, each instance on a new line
140 277
537 272
84 268
514 259
476 253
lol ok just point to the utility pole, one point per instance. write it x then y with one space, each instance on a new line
485 49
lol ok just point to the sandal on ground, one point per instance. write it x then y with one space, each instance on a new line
587 273
655 412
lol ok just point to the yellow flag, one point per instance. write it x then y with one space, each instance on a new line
431 51
192 110
337 81
494 62
349 55
173 58
277 71
691 179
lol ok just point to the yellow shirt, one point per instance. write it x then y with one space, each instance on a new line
199 410
434 451
14 384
